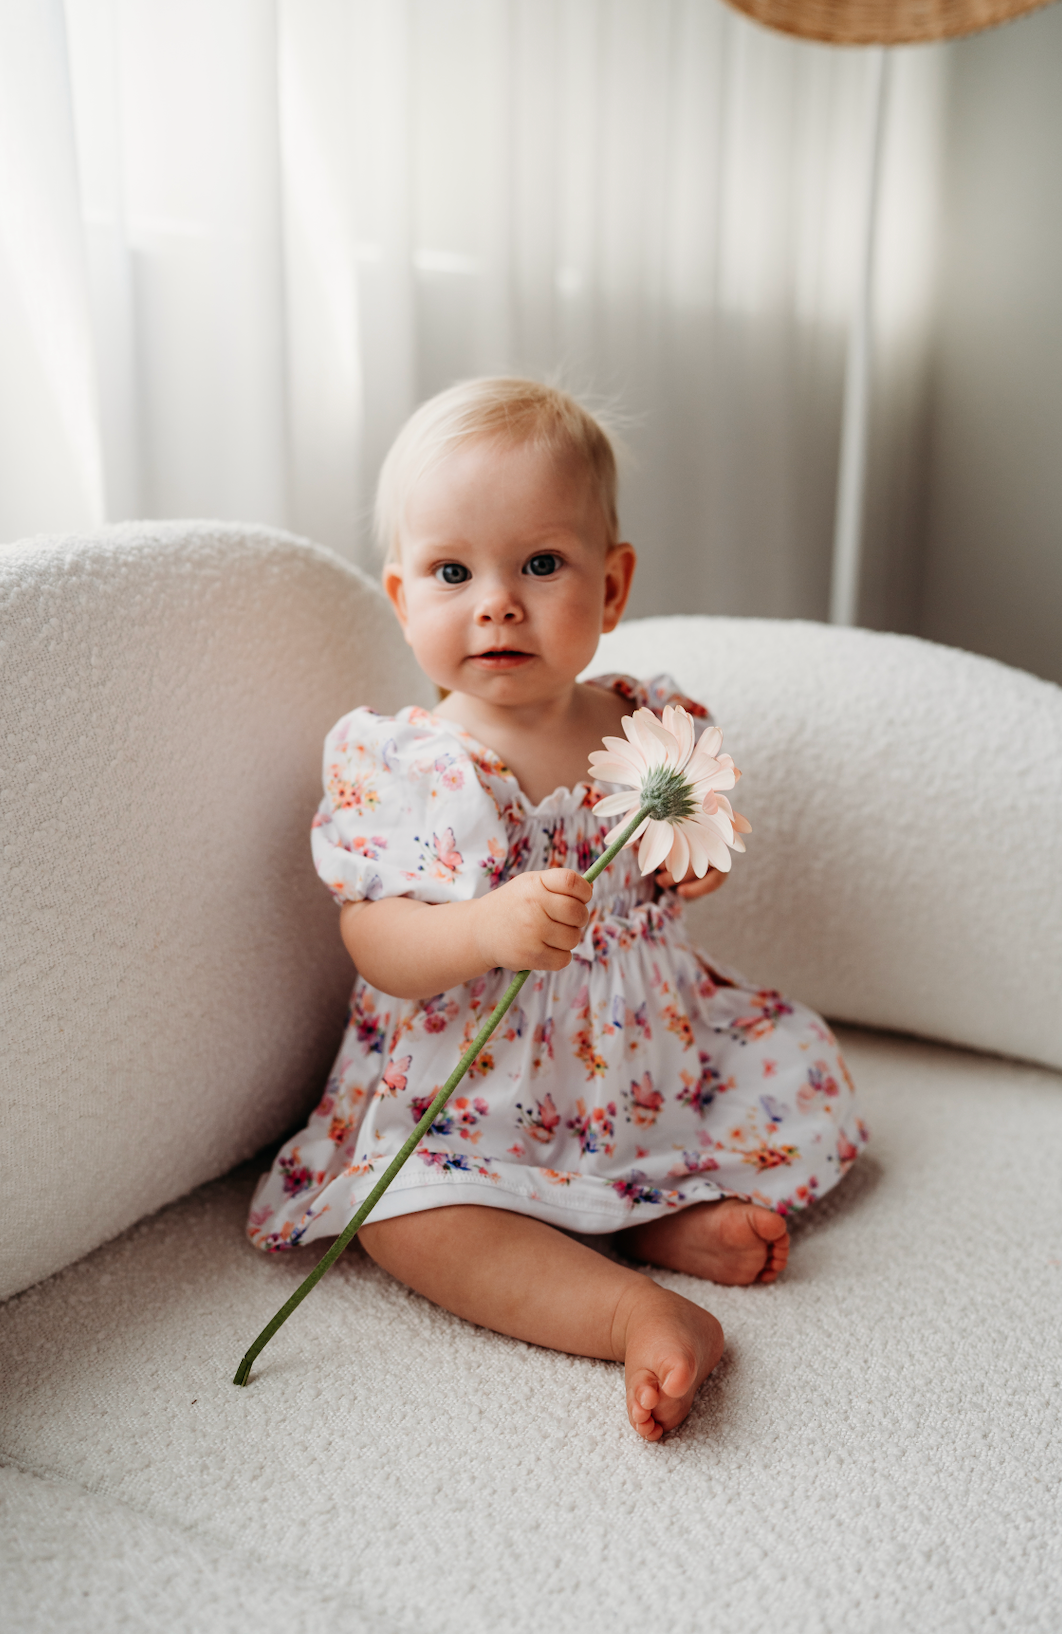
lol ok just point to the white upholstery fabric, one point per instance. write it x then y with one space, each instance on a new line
878 1452
905 865
878 1449
173 980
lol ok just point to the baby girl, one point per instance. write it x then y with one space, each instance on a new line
637 1088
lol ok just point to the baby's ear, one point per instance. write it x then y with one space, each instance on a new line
396 592
620 563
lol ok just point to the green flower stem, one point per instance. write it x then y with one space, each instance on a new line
351 1230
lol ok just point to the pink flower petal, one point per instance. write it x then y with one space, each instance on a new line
715 845
655 846
610 769
622 750
679 722
678 858
614 833
612 803
698 849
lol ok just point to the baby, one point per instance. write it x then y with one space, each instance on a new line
636 1088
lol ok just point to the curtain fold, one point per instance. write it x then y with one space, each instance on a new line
280 224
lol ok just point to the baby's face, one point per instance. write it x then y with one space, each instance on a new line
506 578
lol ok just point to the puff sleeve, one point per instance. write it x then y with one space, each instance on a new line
404 813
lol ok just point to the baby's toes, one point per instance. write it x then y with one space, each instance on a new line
643 1395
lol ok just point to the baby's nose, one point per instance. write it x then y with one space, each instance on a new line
498 605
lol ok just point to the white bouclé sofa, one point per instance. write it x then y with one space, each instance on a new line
880 1448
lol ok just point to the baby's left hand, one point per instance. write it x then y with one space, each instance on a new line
692 887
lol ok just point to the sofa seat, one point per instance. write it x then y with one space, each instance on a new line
878 1450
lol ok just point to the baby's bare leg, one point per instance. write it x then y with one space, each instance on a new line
515 1275
731 1241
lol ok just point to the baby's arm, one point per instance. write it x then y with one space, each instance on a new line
415 949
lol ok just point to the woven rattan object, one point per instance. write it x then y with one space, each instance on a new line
883 22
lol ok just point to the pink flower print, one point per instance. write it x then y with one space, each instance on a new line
699 1093
467 1114
448 1162
370 1028
631 1021
768 1008
444 1123
693 1163
635 1188
516 1024
395 1074
846 1152
678 1022
446 854
770 1068
296 1176
764 1156
556 846
643 1101
819 1085
438 1012
542 1045
484 1062
493 863
583 1038
541 1124
595 1128
586 850
353 793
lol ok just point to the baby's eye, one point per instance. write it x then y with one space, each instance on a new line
452 573
543 565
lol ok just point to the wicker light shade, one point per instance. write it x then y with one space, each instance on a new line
883 22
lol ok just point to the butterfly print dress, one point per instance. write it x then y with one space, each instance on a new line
642 1078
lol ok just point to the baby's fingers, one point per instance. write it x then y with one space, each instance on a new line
566 882
692 888
565 906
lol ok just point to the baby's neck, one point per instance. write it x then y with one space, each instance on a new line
546 746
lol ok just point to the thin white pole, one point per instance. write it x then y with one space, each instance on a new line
855 421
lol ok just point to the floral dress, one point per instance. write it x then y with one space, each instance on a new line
642 1078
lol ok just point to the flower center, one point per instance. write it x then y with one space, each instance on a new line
669 794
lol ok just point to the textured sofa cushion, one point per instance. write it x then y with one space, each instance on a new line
878 1452
173 980
905 866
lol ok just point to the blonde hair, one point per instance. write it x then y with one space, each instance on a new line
511 410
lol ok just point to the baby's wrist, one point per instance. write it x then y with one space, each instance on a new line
484 933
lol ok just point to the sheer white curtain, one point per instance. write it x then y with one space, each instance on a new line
241 239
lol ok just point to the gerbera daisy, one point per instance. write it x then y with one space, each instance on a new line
692 823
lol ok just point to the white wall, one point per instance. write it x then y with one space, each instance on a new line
993 554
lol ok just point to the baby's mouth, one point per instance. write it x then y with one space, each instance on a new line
499 658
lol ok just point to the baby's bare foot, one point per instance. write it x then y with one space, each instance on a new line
730 1241
668 1346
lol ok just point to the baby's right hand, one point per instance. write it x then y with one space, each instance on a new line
533 921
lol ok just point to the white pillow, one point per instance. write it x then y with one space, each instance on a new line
173 979
905 865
